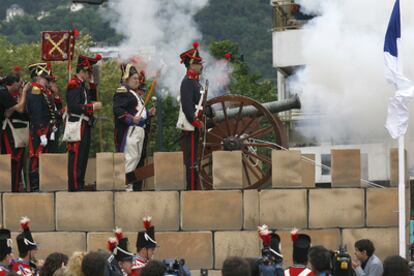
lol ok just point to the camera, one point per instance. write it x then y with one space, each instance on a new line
175 268
342 263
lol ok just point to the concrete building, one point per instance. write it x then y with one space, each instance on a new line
13 11
288 45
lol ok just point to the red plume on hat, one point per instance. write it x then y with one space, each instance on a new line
294 234
76 33
147 222
24 223
192 55
118 233
112 243
265 234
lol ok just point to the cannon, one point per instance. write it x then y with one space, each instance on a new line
240 123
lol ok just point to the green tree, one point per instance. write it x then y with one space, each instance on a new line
243 82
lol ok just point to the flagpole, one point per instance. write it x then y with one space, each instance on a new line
401 196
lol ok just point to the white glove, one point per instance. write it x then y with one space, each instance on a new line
43 140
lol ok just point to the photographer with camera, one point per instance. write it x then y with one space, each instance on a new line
301 245
272 260
320 261
176 268
342 263
368 264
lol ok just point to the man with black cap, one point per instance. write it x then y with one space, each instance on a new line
14 136
82 103
272 258
26 264
130 119
43 117
5 251
112 266
121 252
146 246
189 119
301 245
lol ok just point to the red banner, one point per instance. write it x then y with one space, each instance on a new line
58 46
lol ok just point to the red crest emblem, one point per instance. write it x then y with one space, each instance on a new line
58 46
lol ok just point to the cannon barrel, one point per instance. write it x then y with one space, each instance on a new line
250 111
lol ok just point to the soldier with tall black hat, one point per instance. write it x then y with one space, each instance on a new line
26 264
130 119
189 119
5 251
14 126
272 258
43 118
146 246
112 267
301 246
121 252
81 98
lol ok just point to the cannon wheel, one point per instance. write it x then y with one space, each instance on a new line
247 134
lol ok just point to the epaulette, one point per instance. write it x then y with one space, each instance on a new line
74 83
121 89
36 90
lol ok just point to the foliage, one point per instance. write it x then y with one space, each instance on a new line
243 82
27 28
248 22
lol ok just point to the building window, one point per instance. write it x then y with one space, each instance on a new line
326 164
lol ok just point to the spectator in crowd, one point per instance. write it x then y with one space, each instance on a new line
396 266
320 260
60 272
235 266
93 264
368 263
75 264
153 268
54 262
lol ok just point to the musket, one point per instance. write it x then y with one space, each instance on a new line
202 102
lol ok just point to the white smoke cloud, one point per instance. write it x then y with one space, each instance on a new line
344 74
157 32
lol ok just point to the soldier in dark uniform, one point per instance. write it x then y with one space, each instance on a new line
26 264
5 251
42 113
189 118
130 120
142 89
15 123
82 102
54 145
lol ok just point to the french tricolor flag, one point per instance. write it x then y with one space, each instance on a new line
397 119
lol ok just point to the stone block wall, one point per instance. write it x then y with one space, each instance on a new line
205 227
